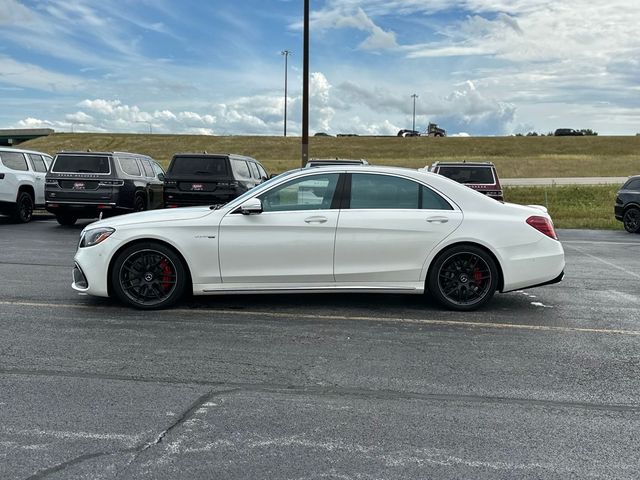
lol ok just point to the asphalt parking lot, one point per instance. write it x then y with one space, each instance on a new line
542 384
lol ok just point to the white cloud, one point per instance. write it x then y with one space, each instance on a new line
25 75
79 117
356 18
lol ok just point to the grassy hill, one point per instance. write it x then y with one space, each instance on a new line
570 206
514 156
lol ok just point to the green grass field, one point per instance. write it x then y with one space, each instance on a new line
515 157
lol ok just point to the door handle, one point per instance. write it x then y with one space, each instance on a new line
437 219
315 220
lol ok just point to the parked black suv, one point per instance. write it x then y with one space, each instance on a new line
210 178
627 206
86 184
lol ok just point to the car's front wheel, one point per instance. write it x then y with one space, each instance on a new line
148 275
631 220
463 278
24 208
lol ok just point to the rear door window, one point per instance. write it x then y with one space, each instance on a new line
81 164
254 170
240 169
37 163
14 161
146 165
369 191
129 166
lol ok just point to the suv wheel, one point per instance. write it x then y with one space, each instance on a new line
631 220
24 208
66 219
139 205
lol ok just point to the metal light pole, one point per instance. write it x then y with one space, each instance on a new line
286 57
305 87
413 127
148 123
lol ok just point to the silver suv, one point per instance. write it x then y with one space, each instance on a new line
22 175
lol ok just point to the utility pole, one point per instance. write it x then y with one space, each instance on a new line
305 87
148 123
413 127
286 57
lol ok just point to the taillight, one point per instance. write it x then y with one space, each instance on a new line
543 225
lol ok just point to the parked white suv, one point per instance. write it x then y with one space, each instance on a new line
22 176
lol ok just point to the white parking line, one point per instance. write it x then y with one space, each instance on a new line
395 320
629 272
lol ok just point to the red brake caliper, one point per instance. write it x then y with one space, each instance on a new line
477 276
166 275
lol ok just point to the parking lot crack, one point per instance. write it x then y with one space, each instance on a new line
186 415
136 450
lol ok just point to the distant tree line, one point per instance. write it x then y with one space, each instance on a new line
584 131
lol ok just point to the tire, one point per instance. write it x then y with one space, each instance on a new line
148 276
631 220
139 205
24 208
463 278
66 219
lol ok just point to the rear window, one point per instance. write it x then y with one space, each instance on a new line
81 164
14 161
210 166
468 174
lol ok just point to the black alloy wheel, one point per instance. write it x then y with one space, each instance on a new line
631 220
148 276
24 208
463 278
139 204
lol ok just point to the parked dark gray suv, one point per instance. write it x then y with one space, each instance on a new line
87 184
210 178
627 206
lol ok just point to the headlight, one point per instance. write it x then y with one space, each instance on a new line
95 236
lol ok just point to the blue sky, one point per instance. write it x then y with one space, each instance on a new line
479 67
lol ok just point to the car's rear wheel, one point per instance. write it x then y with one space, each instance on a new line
463 277
148 275
24 208
66 219
631 220
139 205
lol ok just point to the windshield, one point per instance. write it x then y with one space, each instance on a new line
81 164
198 165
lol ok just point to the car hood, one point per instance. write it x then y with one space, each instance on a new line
154 216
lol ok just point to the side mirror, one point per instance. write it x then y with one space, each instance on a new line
253 206
161 177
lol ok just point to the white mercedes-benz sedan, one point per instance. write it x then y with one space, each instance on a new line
326 229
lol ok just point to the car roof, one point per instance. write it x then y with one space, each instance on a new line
462 164
85 152
22 150
212 155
